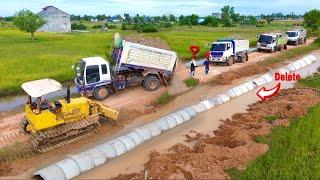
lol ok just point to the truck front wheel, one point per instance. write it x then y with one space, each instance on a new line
230 61
101 93
151 83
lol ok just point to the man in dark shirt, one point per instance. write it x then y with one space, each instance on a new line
193 65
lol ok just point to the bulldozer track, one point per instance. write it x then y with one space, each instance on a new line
50 139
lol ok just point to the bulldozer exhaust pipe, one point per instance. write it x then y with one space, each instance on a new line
68 95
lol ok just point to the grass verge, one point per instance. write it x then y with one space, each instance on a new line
164 98
294 151
191 82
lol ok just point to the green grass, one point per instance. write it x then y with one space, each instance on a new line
180 41
165 98
271 118
294 151
191 82
312 81
51 55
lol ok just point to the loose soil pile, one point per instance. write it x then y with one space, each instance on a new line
148 41
234 142
227 77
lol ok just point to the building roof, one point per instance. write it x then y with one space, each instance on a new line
41 87
47 7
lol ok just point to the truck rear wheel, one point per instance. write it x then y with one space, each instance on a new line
151 83
285 47
101 93
247 56
304 41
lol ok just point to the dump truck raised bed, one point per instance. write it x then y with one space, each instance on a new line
272 42
136 64
297 36
229 51
61 122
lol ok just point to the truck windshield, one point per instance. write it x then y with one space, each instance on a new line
218 47
265 39
292 34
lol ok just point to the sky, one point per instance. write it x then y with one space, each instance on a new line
160 7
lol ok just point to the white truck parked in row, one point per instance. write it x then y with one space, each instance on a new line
229 51
297 36
136 65
272 42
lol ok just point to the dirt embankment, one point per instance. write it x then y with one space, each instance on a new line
148 41
207 157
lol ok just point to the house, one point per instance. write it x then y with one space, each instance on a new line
56 20
217 15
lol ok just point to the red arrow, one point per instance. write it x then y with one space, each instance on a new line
263 93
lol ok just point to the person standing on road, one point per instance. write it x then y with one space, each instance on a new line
206 63
193 65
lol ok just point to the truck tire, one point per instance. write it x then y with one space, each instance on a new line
241 59
151 83
230 61
101 93
259 50
296 43
247 57
273 50
304 41
285 47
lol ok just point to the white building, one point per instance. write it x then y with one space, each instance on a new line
56 20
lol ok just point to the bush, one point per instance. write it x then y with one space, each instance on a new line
112 26
145 28
75 26
98 26
164 98
271 118
191 82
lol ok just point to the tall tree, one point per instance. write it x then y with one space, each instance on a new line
27 21
312 19
211 21
227 11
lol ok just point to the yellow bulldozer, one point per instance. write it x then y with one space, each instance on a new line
54 124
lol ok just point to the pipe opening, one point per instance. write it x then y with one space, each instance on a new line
37 177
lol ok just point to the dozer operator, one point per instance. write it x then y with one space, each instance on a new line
64 121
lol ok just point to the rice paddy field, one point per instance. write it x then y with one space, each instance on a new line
53 54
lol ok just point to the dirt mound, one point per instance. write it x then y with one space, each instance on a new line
148 41
227 77
234 142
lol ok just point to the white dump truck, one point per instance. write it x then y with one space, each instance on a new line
136 64
297 36
272 42
229 51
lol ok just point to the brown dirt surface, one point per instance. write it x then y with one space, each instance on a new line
148 41
252 69
233 145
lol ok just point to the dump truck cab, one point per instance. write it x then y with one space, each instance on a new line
92 73
272 42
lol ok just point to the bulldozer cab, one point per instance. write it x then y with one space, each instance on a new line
37 90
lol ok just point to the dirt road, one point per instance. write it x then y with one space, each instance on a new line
135 99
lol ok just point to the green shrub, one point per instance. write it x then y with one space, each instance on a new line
271 118
164 98
98 26
75 26
191 82
112 26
